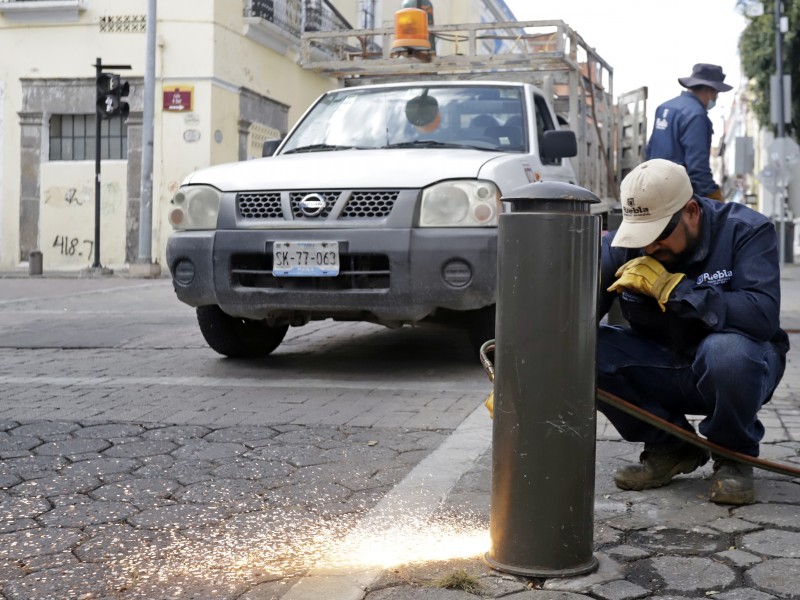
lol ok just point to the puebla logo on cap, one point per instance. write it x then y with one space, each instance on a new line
631 210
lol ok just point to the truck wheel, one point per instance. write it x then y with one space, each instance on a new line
480 326
237 337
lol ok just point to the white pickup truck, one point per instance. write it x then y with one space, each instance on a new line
380 205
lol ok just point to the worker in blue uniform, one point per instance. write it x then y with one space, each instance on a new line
682 130
699 284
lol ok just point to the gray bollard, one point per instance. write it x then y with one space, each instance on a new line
35 262
544 428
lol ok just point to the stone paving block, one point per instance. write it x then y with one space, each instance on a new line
16 507
10 525
135 490
81 515
99 467
178 517
773 542
71 447
243 468
628 553
202 450
32 467
689 574
734 525
36 542
777 515
109 431
738 558
241 435
139 449
72 581
620 590
776 576
743 594
44 429
56 485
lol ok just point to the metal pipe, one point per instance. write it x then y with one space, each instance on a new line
146 194
544 427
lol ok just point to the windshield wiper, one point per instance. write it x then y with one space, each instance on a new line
435 144
317 148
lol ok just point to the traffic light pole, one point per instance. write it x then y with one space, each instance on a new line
96 264
107 105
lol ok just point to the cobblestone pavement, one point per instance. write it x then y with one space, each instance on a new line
140 500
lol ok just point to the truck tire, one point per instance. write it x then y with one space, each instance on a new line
236 337
480 326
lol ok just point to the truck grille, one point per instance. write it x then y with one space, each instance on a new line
359 204
356 272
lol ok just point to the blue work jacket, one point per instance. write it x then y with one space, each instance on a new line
682 134
732 283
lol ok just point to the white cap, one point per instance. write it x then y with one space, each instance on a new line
650 194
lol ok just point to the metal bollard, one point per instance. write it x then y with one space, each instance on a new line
544 427
35 262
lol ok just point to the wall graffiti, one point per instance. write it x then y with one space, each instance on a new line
73 246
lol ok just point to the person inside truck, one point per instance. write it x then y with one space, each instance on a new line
682 130
699 284
423 113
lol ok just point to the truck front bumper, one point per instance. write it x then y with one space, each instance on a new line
394 275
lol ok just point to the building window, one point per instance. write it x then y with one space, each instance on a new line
72 138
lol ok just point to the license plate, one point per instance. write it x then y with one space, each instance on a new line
305 259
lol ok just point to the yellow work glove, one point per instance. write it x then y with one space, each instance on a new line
716 195
489 404
645 275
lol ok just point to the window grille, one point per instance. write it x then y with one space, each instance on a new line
72 138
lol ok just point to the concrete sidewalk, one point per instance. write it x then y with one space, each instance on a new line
665 543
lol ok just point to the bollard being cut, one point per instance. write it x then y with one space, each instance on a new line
544 427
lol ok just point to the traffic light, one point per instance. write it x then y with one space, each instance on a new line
110 91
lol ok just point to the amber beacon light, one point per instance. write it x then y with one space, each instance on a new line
411 29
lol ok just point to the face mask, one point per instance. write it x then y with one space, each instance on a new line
711 104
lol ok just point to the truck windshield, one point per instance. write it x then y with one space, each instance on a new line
418 116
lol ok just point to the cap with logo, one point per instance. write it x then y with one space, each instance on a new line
651 193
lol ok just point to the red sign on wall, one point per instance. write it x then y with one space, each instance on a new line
178 98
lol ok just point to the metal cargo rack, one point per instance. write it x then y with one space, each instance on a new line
548 54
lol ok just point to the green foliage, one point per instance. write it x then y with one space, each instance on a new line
757 51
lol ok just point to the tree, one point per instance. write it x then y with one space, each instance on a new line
757 51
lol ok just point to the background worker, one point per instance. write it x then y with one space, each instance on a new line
699 283
682 130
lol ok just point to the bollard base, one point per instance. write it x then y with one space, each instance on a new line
589 567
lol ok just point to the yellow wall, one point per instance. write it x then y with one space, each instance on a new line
66 233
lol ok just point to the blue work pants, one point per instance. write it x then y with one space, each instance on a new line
727 379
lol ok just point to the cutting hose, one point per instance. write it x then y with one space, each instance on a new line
656 421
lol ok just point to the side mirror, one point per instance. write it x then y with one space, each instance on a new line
270 146
559 144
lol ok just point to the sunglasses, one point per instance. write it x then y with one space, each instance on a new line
673 223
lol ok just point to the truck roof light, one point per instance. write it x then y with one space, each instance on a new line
411 29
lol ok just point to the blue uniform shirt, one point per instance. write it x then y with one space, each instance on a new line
682 134
732 283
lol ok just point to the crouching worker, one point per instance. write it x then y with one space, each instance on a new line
699 283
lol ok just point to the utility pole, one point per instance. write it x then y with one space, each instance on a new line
144 267
781 194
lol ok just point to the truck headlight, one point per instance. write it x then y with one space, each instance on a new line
460 203
194 207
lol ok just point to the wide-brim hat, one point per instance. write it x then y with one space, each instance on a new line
705 74
650 195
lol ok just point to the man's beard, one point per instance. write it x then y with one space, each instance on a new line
670 259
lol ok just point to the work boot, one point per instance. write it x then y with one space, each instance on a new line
659 464
731 483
